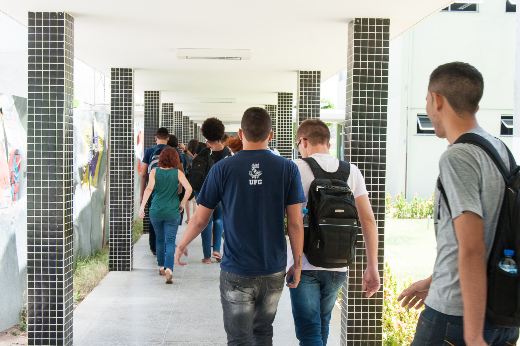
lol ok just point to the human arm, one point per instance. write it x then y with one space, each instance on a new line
295 231
415 294
184 182
469 229
147 193
144 178
198 221
371 279
183 148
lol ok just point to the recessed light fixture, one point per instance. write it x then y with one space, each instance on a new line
213 54
218 100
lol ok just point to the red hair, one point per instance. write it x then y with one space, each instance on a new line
234 143
169 158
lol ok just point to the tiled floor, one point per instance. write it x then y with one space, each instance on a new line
138 308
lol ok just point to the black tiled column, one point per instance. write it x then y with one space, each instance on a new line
177 128
309 85
195 131
199 131
192 132
121 172
271 109
284 125
167 119
365 146
152 101
49 178
185 130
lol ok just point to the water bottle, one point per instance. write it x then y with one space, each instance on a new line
305 217
507 263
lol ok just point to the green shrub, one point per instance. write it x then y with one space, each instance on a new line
398 323
419 208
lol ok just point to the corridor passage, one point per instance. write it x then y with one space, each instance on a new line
138 308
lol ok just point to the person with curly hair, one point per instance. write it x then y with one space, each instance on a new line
165 208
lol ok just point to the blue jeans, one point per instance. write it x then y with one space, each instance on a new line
312 303
218 228
165 234
249 305
435 328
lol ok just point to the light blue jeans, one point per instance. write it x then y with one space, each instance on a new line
218 228
165 234
312 303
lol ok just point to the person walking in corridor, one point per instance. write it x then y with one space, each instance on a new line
165 207
256 189
466 215
314 298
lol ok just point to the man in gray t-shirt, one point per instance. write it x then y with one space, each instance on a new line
455 295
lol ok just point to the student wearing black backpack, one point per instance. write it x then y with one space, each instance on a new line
468 201
313 300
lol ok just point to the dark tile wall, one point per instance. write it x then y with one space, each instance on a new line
185 130
121 173
309 83
49 178
152 101
167 118
177 128
271 109
195 131
284 125
192 132
365 146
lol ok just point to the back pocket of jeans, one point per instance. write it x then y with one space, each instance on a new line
455 335
274 289
239 288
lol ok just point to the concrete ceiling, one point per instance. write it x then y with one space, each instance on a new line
283 36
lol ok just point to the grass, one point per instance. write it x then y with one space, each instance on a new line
89 271
410 248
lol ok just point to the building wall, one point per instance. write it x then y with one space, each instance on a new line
487 41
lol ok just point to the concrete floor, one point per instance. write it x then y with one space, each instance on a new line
138 308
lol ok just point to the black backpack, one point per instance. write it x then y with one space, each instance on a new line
503 304
330 240
200 167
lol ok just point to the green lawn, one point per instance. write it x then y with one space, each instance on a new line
410 248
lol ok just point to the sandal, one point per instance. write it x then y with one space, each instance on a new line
161 271
206 260
169 279
217 256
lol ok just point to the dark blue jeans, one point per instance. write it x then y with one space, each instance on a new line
165 234
435 328
218 228
312 303
249 304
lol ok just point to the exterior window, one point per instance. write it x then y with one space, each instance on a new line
506 125
461 7
424 125
511 5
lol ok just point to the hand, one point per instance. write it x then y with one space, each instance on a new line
178 253
141 213
181 208
415 295
371 281
182 146
295 274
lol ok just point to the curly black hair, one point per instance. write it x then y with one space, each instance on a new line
213 129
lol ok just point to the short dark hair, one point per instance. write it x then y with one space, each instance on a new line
315 130
162 133
169 158
256 124
173 141
192 145
460 83
213 129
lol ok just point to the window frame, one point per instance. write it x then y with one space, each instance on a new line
448 8
420 131
504 127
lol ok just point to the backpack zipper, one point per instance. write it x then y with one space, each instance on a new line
330 187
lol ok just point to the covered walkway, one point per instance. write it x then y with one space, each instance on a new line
138 308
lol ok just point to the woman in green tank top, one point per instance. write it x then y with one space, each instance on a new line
163 186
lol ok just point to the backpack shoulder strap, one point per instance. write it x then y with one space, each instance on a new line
442 195
484 144
315 167
344 170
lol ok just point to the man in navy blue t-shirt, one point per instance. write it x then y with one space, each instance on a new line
256 189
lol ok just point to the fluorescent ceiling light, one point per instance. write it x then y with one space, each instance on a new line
213 54
218 100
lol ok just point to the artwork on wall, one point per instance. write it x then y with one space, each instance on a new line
12 148
94 136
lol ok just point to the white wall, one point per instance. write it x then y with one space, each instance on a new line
13 57
487 41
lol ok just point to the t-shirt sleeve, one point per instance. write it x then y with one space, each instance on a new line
295 194
210 193
460 177
358 186
147 156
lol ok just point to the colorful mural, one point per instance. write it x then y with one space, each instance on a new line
94 136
